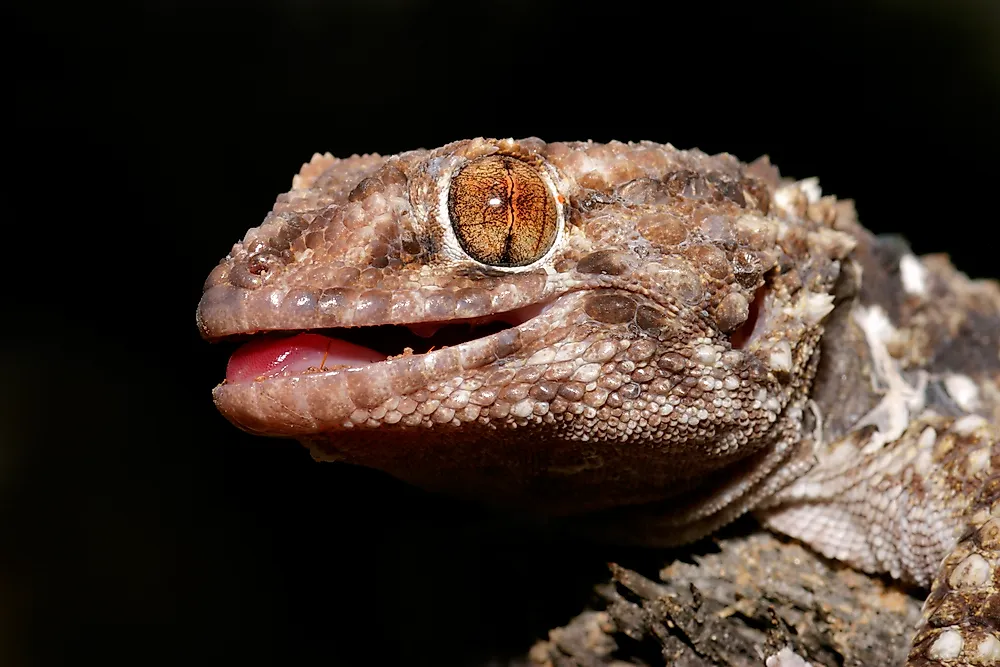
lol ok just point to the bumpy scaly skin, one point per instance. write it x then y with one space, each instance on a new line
706 339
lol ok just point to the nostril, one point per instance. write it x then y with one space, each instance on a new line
260 264
254 271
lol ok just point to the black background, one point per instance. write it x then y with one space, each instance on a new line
142 141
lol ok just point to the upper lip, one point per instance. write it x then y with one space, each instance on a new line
226 310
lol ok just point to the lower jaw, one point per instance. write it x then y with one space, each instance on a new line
296 403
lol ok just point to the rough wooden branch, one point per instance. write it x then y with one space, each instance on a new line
757 600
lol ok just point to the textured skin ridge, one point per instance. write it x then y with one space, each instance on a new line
962 613
704 338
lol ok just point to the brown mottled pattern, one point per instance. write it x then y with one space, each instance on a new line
708 339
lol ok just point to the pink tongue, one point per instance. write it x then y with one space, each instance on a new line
272 355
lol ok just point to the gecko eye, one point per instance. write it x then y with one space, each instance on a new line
502 212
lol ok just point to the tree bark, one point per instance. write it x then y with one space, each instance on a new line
757 600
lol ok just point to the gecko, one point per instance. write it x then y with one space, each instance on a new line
651 340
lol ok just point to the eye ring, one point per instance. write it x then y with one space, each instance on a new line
502 211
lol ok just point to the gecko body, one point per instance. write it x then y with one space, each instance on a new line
653 339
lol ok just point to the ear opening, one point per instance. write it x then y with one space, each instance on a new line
743 333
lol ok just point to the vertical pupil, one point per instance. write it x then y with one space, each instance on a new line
501 211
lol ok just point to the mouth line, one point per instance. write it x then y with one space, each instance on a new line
271 354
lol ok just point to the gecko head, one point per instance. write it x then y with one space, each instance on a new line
562 326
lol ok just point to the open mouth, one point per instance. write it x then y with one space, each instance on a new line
287 353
